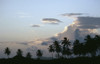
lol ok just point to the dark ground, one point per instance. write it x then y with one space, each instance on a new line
79 60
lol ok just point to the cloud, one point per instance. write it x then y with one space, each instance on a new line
88 22
44 43
36 25
49 40
80 27
71 14
51 21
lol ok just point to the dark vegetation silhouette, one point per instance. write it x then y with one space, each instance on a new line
87 52
66 51
51 50
79 48
39 54
19 53
28 55
57 48
7 51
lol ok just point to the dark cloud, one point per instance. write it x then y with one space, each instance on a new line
88 22
36 25
51 21
44 43
49 41
89 26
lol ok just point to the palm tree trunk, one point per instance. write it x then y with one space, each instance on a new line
8 56
58 55
66 56
52 55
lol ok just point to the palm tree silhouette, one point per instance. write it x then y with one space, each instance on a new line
7 51
51 49
28 55
39 54
65 47
77 48
19 53
65 42
57 47
64 52
90 45
97 40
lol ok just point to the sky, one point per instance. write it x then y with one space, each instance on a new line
45 20
17 16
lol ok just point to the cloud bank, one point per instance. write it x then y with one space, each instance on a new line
80 27
88 22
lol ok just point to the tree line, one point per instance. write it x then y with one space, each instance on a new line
65 48
19 53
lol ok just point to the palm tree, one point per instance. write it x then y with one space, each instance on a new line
39 53
65 45
51 49
77 48
57 47
97 42
64 52
90 45
28 55
65 42
7 51
19 53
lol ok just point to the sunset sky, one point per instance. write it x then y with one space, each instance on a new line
17 17
28 24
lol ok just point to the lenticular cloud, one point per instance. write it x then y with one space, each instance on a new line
51 21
